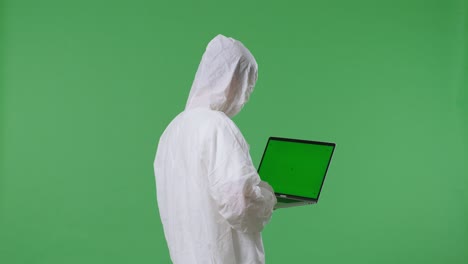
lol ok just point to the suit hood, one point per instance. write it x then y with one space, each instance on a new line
225 77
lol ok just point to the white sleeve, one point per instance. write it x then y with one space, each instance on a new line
241 197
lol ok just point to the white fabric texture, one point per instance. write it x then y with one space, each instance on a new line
212 203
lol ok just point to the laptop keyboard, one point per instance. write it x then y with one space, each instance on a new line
286 200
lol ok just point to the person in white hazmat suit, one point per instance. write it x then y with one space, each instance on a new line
211 200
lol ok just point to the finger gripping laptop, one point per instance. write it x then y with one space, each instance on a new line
296 169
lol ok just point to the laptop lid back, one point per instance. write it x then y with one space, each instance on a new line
296 168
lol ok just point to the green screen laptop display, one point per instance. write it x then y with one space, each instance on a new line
295 168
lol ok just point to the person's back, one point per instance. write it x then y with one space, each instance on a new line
211 201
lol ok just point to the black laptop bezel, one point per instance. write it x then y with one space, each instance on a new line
284 195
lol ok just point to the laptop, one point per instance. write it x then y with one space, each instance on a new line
296 169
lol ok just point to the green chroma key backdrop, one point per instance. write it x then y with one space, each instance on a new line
87 88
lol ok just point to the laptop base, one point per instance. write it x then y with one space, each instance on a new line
287 202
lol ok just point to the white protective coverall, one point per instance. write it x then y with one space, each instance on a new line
211 200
